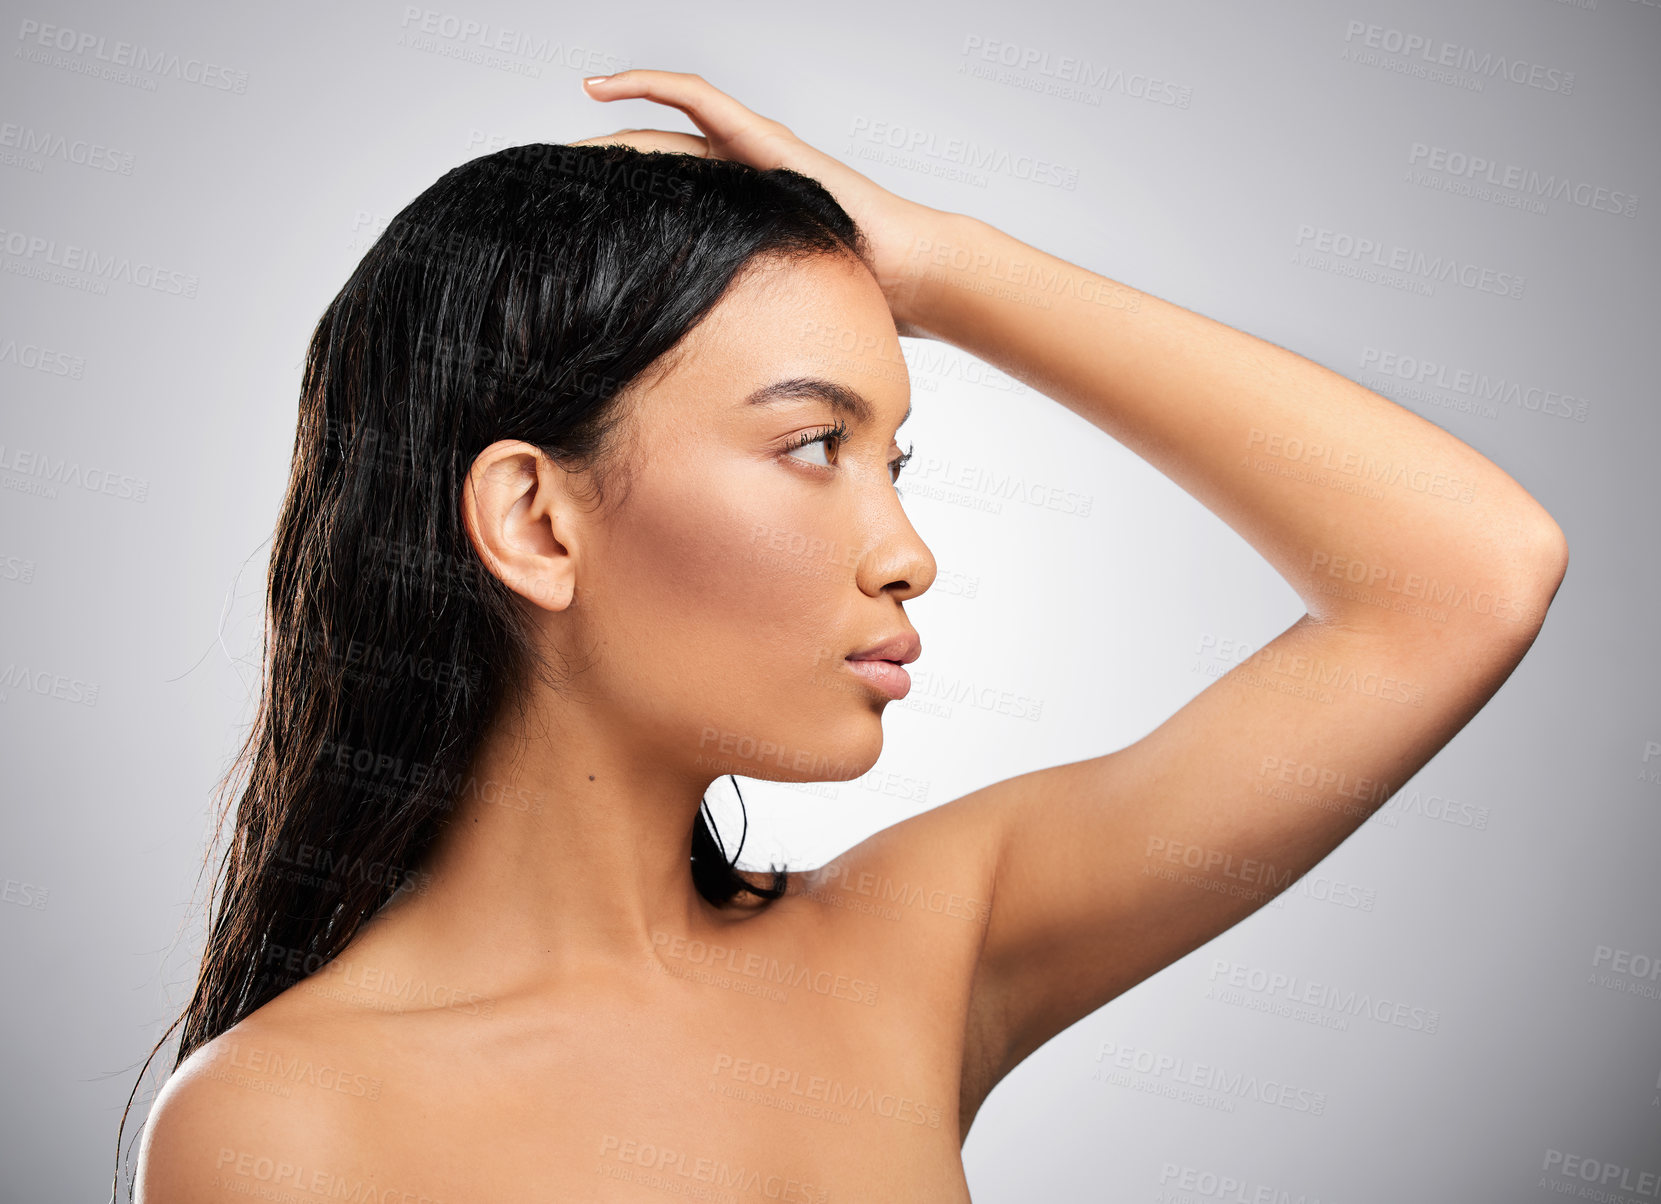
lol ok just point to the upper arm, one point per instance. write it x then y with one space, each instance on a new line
191 1118
1103 871
1110 868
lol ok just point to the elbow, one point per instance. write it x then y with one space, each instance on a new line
1549 553
1539 560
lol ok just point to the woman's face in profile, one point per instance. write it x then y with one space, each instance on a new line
722 596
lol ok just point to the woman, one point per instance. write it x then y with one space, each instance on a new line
593 502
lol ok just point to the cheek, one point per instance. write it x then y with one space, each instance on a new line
750 575
730 620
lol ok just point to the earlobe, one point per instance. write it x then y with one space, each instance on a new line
555 594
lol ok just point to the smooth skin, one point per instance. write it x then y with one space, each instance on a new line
557 1015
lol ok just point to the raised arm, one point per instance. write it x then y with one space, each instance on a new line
1426 572
1313 470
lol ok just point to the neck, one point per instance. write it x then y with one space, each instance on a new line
568 851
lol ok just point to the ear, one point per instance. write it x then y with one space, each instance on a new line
518 510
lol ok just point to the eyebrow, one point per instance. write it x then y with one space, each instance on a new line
841 398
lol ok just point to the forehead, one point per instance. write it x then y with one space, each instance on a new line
822 316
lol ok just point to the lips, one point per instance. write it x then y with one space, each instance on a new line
887 677
902 648
881 664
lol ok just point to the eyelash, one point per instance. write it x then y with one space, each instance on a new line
839 432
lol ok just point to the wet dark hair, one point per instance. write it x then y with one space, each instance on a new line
516 298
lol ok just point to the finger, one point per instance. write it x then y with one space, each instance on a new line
718 115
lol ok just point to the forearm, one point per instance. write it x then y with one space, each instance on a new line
1341 490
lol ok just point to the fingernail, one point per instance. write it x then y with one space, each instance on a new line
595 79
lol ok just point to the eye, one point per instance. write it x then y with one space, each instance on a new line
821 439
896 465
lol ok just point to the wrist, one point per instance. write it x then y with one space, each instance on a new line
940 247
934 238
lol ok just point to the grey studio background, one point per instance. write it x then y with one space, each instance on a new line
1305 172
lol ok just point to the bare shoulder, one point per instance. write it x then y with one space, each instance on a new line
258 1108
927 880
916 899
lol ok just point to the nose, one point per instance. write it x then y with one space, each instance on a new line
896 560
